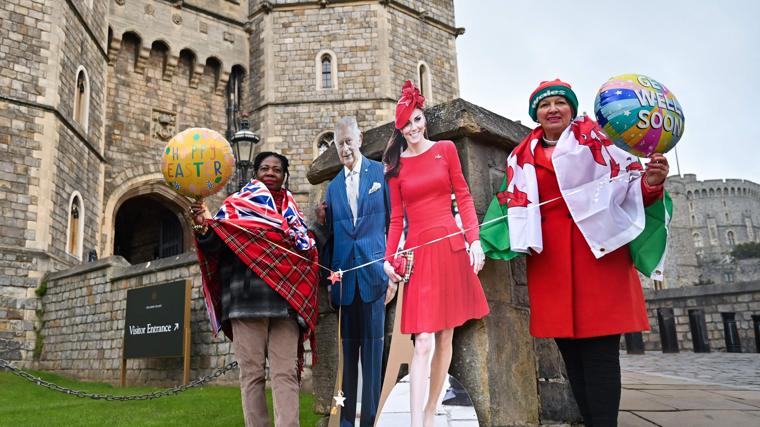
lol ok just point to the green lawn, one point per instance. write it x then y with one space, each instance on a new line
25 404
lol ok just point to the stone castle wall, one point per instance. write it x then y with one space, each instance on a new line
84 311
742 299
704 212
50 154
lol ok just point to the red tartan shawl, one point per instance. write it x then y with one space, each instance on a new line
291 276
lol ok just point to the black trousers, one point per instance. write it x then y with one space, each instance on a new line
593 367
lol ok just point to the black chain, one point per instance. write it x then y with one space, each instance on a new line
198 382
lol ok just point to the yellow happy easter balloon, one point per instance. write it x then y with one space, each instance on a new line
197 162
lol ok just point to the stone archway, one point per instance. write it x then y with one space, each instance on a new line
162 213
145 229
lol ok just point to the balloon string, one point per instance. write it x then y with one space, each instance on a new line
461 231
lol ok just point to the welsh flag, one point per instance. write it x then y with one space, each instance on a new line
600 184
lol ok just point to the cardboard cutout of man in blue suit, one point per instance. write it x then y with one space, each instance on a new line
357 215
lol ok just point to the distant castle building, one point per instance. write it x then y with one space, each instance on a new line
91 91
709 219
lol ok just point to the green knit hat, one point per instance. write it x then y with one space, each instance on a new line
555 87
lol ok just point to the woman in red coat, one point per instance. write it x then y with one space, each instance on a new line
444 290
584 290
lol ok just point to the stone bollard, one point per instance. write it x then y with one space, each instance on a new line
699 331
667 323
731 333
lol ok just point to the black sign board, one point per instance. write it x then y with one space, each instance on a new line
155 321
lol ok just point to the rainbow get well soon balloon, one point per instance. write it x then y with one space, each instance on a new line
197 162
639 114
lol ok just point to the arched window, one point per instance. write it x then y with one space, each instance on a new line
733 191
324 141
75 232
693 219
704 193
326 66
424 83
326 72
730 238
697 240
234 98
712 192
82 98
688 195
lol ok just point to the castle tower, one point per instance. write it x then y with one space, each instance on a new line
312 62
172 65
710 218
52 119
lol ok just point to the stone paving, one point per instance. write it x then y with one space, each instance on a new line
690 389
729 369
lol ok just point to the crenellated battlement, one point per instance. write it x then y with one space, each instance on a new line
216 41
170 60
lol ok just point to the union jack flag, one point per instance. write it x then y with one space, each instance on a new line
254 206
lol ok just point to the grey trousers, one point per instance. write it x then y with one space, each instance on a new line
254 341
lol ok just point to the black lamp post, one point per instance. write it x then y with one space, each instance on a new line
242 146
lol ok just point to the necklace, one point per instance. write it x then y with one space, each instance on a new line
549 142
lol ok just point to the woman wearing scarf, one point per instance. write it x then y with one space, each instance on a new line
260 278
584 212
443 291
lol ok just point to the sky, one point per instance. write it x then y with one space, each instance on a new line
706 52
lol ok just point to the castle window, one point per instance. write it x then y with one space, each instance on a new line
82 98
688 195
75 233
423 81
324 141
697 240
712 193
728 277
233 99
704 193
693 219
326 66
730 238
733 191
326 72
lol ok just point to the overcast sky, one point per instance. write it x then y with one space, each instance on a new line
706 52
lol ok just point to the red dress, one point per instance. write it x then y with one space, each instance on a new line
443 291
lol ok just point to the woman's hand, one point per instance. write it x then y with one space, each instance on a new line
477 257
656 170
388 268
198 212
391 292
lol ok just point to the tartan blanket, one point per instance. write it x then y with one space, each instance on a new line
274 253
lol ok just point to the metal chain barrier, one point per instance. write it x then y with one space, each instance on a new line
198 382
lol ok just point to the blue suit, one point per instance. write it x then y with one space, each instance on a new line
362 292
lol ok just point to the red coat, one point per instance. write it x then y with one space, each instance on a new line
573 294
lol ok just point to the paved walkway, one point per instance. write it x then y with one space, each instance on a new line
690 390
669 390
396 410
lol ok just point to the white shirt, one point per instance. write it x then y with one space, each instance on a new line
352 186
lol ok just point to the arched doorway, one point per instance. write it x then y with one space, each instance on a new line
146 229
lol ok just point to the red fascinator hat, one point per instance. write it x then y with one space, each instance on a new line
411 98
